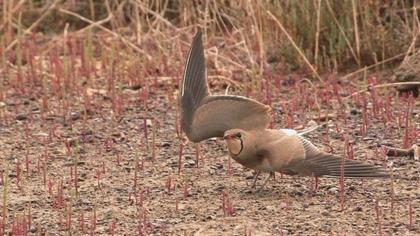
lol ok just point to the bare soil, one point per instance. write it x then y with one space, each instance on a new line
76 174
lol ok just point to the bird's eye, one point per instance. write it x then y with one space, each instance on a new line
238 135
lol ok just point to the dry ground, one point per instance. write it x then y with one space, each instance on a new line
213 198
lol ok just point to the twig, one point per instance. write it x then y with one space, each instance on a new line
356 29
318 23
296 47
157 15
382 86
342 32
398 152
124 40
229 81
95 24
17 7
12 44
373 66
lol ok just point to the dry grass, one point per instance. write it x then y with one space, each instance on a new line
332 35
90 87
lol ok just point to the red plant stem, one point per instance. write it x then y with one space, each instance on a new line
177 124
29 216
136 170
374 95
378 216
145 132
407 122
50 187
227 205
229 170
92 232
336 91
365 117
181 149
118 159
168 184
197 154
82 221
69 219
154 140
140 202
392 193
18 172
224 203
186 193
410 215
44 172
342 189
112 227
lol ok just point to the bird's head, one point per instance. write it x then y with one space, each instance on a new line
234 139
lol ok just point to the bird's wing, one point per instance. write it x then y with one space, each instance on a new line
320 163
204 116
290 152
216 114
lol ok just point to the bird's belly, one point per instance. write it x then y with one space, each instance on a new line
265 166
261 164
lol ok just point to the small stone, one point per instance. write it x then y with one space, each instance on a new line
210 217
2 104
358 208
216 166
75 116
416 150
333 190
189 163
326 213
87 132
354 111
166 144
21 117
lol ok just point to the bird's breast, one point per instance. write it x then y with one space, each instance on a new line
253 161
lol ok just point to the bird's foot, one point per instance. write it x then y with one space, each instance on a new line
272 175
254 179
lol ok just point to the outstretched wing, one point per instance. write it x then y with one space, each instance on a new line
216 114
320 163
204 116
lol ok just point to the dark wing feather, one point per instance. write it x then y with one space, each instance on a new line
204 116
320 163
193 85
331 165
217 114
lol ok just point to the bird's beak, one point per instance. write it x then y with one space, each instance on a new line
228 137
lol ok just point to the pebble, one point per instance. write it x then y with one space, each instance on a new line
21 117
326 213
333 190
354 111
358 208
216 166
166 144
189 163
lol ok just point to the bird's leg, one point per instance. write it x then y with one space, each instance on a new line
271 175
254 181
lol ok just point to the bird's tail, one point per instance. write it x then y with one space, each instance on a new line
330 165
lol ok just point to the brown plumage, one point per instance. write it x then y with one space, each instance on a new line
243 123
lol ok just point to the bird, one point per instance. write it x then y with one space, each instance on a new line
243 124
